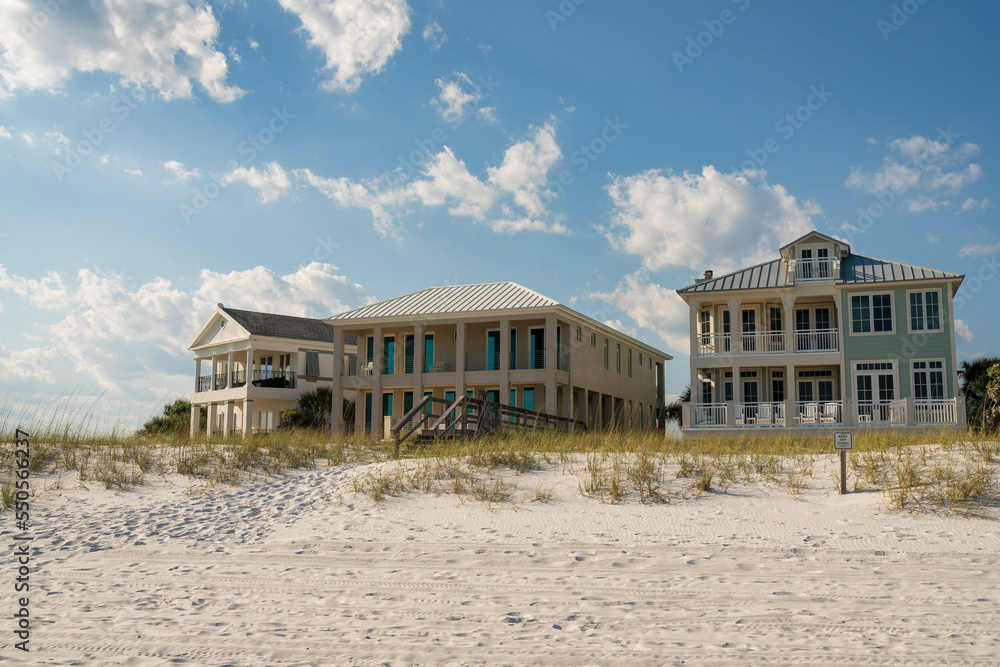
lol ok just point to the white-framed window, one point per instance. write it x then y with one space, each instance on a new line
925 310
875 381
928 378
871 313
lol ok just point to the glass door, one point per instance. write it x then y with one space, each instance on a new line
537 359
428 352
492 350
749 330
408 354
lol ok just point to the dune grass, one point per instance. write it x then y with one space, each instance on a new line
618 466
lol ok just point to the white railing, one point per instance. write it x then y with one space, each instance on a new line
765 342
708 415
809 270
817 340
935 411
710 344
819 413
880 413
760 414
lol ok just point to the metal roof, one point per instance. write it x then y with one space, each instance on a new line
285 326
452 299
853 269
861 269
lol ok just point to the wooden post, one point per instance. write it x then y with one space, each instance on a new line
843 472
843 441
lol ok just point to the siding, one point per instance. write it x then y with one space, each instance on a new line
900 345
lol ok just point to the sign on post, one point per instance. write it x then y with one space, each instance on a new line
843 441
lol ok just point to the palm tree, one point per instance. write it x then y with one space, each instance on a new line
674 410
318 404
975 381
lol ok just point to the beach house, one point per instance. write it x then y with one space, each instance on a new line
250 366
502 340
821 337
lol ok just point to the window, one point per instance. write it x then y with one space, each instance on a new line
706 390
605 354
593 340
428 352
618 357
705 323
493 350
774 317
579 334
630 363
513 350
312 363
928 380
871 313
925 311
640 360
777 385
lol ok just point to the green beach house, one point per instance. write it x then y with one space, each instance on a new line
823 338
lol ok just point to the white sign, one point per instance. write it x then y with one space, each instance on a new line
843 440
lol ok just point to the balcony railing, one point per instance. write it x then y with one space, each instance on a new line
884 413
767 342
274 379
816 270
239 378
818 413
817 340
935 411
711 344
441 364
481 361
708 415
205 383
760 414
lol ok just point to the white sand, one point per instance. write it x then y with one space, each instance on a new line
297 570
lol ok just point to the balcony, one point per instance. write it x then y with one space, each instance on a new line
817 340
815 270
273 379
760 414
826 414
769 342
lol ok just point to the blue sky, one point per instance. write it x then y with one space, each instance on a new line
305 157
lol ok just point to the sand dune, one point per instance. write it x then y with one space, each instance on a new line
299 570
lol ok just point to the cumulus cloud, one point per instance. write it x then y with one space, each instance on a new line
525 167
975 249
156 44
458 96
707 220
652 307
964 333
434 34
120 337
271 184
179 174
925 203
4 132
357 37
971 204
919 163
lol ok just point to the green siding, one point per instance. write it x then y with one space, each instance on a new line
899 345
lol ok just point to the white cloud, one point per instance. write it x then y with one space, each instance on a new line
964 333
931 238
357 37
457 98
434 34
271 184
918 163
133 342
179 173
145 43
29 138
525 167
971 204
925 203
652 307
979 249
4 132
708 220
487 114
133 172
528 225
449 182
618 326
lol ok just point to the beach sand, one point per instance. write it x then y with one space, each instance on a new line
298 569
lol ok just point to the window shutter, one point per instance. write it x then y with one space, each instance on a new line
312 363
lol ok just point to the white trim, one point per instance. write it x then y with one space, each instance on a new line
944 377
894 370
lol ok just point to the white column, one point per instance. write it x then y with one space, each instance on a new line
788 310
735 327
249 369
247 417
694 341
212 412
197 372
195 419
227 420
551 406
229 371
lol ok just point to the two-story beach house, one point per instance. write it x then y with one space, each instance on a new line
250 366
513 344
822 337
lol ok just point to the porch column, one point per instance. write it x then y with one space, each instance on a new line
197 372
693 339
504 361
247 417
735 327
212 412
459 360
551 405
229 371
195 419
787 311
418 363
567 401
337 407
377 352
227 419
249 368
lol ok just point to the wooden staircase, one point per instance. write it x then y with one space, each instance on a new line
469 418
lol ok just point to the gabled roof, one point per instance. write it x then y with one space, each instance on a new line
284 326
861 269
452 299
815 236
767 275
